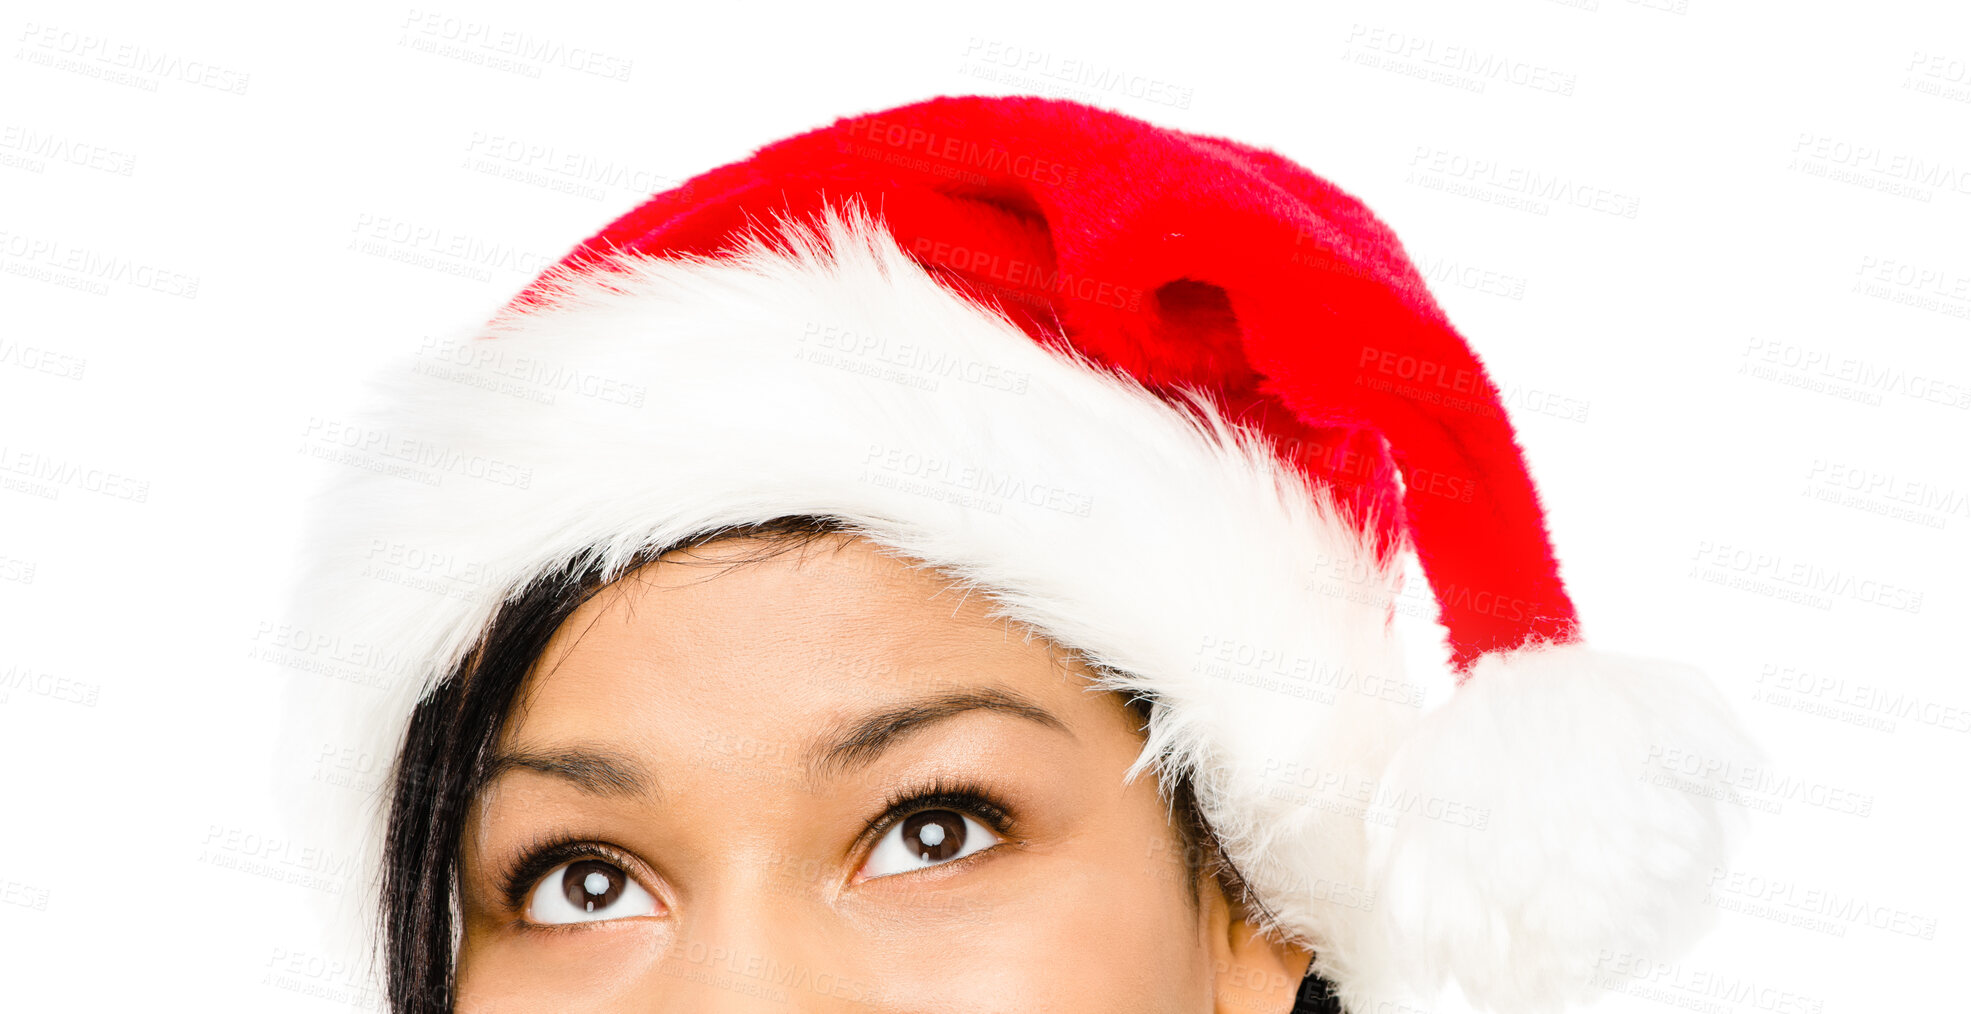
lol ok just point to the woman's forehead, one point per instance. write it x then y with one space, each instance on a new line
774 645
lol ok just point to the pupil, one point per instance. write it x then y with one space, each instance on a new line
592 884
934 834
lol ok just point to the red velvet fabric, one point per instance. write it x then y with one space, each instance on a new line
1188 261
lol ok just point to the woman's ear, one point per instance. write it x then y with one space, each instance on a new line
1251 973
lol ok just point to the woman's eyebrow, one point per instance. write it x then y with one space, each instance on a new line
596 772
601 772
860 742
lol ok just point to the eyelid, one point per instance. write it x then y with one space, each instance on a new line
942 794
986 810
552 852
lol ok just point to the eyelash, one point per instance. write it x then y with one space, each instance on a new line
942 794
539 858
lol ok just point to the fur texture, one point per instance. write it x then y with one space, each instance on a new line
1528 833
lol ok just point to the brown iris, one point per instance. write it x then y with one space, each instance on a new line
592 884
934 835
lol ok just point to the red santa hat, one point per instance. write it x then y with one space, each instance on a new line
1169 399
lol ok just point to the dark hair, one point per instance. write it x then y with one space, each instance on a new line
451 737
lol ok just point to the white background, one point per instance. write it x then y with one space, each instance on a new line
1784 318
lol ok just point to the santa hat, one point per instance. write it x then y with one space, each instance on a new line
1172 401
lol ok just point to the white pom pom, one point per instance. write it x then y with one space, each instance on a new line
1527 828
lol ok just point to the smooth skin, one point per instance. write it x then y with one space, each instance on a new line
725 735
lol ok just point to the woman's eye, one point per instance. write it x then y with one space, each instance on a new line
927 838
588 890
